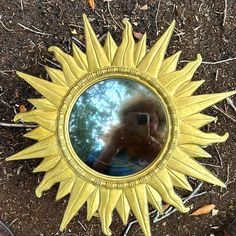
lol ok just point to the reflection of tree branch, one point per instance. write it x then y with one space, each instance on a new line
96 109
82 112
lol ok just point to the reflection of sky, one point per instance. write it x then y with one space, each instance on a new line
96 112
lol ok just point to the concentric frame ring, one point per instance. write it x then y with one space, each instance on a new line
84 171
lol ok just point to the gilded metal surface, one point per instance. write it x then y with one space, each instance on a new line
155 183
64 139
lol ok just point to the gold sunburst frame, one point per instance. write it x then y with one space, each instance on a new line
184 140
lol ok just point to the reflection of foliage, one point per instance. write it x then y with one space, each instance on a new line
96 111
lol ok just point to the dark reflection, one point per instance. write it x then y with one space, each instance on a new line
117 127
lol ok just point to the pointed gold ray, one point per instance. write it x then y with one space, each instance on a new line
174 80
125 53
52 176
80 57
194 150
65 188
110 47
45 119
123 208
108 201
47 164
70 68
51 91
57 76
96 55
42 104
79 195
154 198
179 180
44 148
198 120
140 49
182 163
198 103
163 184
93 204
39 134
137 198
152 61
188 88
169 64
191 135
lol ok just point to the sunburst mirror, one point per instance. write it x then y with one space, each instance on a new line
119 128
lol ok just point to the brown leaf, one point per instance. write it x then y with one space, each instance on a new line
91 4
22 108
165 207
137 35
144 7
204 210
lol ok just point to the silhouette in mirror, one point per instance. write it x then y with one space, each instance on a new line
117 127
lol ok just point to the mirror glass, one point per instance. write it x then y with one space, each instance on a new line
117 127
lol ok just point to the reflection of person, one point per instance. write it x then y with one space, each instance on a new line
135 142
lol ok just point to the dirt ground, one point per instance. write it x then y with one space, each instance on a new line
204 27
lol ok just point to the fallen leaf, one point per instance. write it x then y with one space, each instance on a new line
92 4
204 210
22 108
137 35
144 7
165 207
214 212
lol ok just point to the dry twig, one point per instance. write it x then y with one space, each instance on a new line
156 16
225 12
214 62
227 178
218 153
7 71
13 222
21 5
5 103
82 226
10 30
33 31
53 63
77 41
207 164
224 113
109 10
217 74
231 103
17 125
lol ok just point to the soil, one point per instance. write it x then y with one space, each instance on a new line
202 27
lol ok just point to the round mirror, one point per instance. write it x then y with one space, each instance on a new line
117 127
